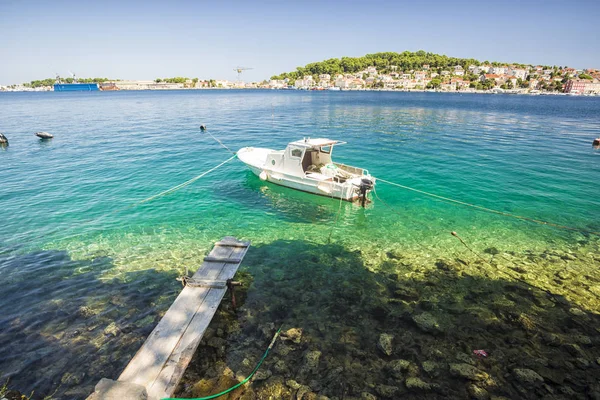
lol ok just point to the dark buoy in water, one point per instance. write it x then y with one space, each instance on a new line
44 135
596 142
202 127
3 140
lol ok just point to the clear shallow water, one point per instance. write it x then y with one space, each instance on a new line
74 258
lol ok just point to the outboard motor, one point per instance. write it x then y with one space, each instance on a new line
365 186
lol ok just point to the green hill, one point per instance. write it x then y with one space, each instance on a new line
404 61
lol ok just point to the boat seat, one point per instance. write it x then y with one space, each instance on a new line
318 176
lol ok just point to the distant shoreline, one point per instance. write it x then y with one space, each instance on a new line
488 92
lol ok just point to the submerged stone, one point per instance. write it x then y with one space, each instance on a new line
468 371
385 344
427 322
386 390
262 375
414 383
477 392
397 367
527 376
293 334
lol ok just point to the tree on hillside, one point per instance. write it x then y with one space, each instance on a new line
434 83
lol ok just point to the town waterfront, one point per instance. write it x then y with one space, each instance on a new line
85 277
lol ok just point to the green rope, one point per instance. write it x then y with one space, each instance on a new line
489 210
231 389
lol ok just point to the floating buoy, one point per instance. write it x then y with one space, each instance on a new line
596 142
202 127
263 176
3 140
44 135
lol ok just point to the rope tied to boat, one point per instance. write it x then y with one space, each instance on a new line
489 210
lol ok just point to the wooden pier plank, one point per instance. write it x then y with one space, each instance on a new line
171 374
160 362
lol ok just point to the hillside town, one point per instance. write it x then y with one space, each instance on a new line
473 79
509 79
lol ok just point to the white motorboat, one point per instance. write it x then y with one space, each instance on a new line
307 165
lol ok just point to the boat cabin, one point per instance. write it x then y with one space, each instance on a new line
310 158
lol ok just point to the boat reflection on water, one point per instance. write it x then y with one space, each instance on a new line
293 205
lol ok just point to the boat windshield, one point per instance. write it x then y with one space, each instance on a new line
326 149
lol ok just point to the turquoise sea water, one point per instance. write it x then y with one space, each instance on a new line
74 257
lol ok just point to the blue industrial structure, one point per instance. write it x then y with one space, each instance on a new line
76 87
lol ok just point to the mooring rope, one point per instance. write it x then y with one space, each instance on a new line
537 221
146 200
180 186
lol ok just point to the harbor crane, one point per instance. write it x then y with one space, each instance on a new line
239 71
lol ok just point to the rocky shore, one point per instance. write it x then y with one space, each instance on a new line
377 325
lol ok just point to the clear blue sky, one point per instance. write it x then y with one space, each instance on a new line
207 39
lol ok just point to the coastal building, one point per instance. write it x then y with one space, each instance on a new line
420 75
305 83
458 70
372 70
498 70
519 73
582 86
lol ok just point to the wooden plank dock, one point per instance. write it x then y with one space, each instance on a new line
161 361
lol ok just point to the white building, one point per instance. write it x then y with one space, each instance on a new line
518 72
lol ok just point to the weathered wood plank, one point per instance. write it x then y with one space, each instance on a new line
230 260
232 244
148 361
171 374
162 359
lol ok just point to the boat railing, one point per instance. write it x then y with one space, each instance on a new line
352 170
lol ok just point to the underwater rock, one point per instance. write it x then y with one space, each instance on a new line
275 389
552 374
551 339
280 367
430 367
414 383
397 367
582 339
577 312
293 384
477 392
386 390
303 393
582 363
112 330
427 322
311 361
262 375
574 350
465 358
527 376
86 312
315 385
468 371
385 344
367 396
293 334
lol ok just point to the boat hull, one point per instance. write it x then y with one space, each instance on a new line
257 164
